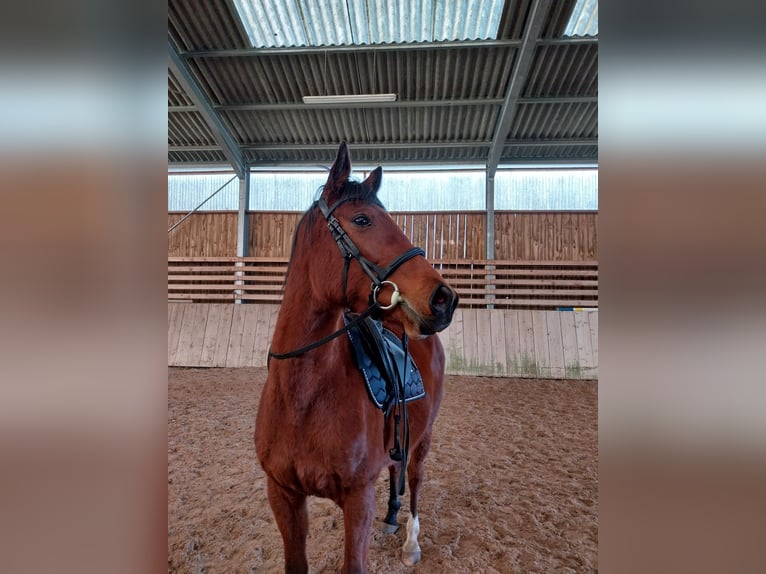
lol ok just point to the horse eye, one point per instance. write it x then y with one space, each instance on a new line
362 221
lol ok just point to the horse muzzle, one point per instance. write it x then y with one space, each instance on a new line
442 304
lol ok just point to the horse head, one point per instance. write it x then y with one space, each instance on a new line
366 251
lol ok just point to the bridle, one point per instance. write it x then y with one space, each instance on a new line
378 275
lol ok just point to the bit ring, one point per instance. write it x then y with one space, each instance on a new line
396 298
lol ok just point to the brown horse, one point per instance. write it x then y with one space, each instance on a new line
317 432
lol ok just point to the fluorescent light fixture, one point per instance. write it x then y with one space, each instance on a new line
350 99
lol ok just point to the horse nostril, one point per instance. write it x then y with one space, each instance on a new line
443 300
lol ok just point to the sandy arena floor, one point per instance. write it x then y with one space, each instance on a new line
511 481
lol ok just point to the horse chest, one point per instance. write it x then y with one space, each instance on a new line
327 442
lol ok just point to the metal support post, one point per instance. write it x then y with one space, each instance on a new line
490 246
242 229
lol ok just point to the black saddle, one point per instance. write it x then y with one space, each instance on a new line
381 359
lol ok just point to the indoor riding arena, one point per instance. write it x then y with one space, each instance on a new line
487 136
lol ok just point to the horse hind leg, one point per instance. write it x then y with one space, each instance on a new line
291 515
390 523
411 548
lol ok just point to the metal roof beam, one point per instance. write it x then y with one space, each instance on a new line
347 49
523 63
390 146
402 47
552 143
220 132
361 105
548 163
366 146
177 148
292 106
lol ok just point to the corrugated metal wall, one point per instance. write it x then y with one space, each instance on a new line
187 191
517 190
435 191
554 190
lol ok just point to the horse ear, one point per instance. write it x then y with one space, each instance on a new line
339 172
372 183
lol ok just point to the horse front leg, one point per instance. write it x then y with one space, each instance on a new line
358 515
390 521
411 548
291 514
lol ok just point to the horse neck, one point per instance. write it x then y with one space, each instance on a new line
305 316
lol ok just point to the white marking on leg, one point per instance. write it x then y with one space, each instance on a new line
411 548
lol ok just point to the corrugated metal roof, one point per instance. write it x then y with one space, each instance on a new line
290 23
449 95
382 155
562 154
382 126
555 121
566 70
413 75
189 128
176 95
395 155
179 158
584 19
205 24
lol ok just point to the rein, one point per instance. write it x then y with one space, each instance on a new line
324 340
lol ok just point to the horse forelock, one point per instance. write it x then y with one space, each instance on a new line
352 190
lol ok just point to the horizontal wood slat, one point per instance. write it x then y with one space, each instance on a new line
485 342
479 283
226 297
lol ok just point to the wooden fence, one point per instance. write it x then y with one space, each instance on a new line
226 279
510 343
528 236
509 322
479 283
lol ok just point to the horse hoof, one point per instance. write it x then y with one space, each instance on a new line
390 528
411 558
